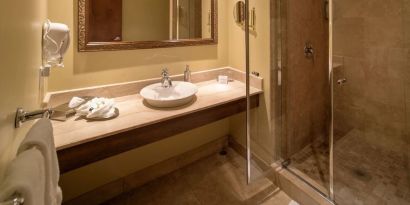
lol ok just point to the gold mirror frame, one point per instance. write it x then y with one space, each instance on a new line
84 45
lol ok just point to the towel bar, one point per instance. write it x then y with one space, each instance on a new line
23 116
17 200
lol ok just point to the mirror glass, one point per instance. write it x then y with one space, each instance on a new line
148 20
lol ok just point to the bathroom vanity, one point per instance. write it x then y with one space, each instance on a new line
80 142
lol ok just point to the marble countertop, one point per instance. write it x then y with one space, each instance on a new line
134 113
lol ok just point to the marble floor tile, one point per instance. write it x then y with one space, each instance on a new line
279 198
219 180
369 168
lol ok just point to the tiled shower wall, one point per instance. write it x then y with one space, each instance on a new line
372 38
307 93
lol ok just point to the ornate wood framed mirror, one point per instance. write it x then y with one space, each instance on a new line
107 25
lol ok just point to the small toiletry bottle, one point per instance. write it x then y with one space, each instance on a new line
187 74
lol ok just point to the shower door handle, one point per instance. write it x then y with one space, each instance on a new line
341 81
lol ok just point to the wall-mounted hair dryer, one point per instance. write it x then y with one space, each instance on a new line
55 42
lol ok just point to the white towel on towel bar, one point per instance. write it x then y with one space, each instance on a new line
41 136
25 176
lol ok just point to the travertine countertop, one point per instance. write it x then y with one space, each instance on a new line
134 113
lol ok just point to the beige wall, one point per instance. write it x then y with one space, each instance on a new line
89 69
145 20
373 38
99 68
263 143
89 177
20 59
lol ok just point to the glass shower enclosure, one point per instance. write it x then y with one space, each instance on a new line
340 97
371 84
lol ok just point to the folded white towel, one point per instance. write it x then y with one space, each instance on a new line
41 137
97 108
25 176
75 102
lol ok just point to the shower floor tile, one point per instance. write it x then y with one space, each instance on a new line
217 179
368 169
313 162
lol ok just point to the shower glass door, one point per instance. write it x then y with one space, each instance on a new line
371 102
306 102
263 115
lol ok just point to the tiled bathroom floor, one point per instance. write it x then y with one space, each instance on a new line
368 169
313 161
217 179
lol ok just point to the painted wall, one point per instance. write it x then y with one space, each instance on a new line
145 20
89 69
373 40
20 59
99 68
89 177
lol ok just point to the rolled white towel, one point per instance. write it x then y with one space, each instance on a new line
41 137
25 176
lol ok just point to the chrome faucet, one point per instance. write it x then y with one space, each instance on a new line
166 81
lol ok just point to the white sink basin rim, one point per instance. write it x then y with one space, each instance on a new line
179 94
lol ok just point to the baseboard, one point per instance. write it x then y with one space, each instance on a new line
139 178
242 151
267 170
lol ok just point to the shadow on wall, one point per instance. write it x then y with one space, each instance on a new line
87 62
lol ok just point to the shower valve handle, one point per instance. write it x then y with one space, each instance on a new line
342 81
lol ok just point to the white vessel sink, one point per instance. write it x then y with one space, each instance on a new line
179 94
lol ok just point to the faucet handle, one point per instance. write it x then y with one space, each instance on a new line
165 70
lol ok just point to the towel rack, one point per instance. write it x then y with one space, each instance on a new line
23 116
17 200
